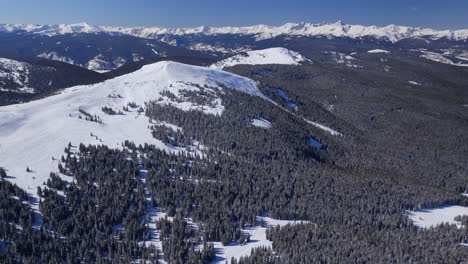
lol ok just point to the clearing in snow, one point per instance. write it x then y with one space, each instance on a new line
224 254
431 217
262 57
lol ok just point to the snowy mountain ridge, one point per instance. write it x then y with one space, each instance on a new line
392 33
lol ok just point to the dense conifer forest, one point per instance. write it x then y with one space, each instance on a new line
352 192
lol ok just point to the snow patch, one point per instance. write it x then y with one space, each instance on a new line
431 217
262 57
55 56
323 127
261 122
414 83
378 51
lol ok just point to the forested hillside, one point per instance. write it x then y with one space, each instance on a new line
183 164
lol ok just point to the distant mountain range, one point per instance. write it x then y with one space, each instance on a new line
391 33
104 48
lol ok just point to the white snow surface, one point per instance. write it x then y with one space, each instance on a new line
34 133
431 217
257 238
414 83
392 33
54 56
437 57
16 72
378 51
261 122
261 57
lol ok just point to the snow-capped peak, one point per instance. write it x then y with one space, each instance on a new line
261 57
338 29
52 30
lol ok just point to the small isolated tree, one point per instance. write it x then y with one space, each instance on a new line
2 173
27 169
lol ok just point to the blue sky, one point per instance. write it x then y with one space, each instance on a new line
439 14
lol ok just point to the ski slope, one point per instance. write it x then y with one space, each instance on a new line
35 134
261 57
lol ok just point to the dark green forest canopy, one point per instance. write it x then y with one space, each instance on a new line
353 192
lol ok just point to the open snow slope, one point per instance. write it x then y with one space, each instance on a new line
431 217
35 134
392 33
261 57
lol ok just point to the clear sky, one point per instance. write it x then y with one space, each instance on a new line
440 14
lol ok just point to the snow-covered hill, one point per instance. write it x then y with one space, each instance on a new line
34 134
392 32
260 57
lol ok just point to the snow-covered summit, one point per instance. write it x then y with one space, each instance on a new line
261 57
34 134
392 32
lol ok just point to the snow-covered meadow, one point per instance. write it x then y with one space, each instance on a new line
431 217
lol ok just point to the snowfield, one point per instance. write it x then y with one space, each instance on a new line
35 134
431 217
261 57
378 51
